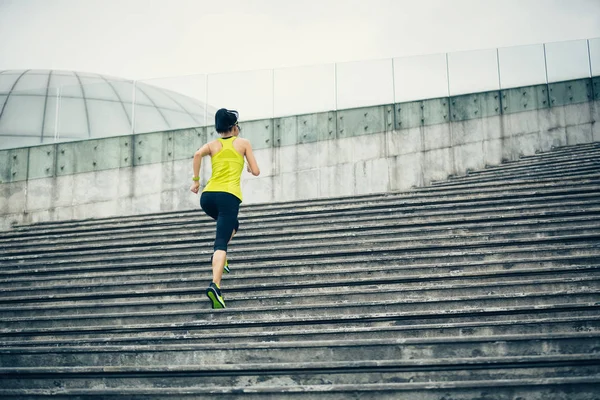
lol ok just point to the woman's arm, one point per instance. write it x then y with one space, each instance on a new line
252 164
202 151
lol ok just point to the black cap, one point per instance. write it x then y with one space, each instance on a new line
225 119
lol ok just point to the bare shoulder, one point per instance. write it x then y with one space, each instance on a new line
243 143
209 148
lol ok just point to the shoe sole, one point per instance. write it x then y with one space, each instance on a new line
214 298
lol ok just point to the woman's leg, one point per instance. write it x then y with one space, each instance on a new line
227 226
209 201
218 265
224 208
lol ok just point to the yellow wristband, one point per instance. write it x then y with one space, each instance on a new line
195 178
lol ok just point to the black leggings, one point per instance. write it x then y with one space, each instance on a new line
222 207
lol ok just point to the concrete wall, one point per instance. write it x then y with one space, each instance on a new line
345 152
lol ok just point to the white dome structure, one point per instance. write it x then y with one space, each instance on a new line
87 106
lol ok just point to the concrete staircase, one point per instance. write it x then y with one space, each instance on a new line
486 286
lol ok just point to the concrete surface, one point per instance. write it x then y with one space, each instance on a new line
482 286
345 152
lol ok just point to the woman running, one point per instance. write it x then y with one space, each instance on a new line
222 195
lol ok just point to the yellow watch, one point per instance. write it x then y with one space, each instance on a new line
195 178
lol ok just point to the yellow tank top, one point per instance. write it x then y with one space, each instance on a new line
227 166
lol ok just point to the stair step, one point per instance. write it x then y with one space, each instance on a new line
300 352
579 388
190 217
578 294
483 286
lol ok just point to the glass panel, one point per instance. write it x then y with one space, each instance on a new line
190 88
522 66
420 77
124 91
195 108
365 83
180 101
88 75
181 119
99 90
23 114
62 73
59 80
149 119
72 118
473 71
26 113
31 83
595 56
14 142
141 98
158 97
567 60
38 72
93 79
108 118
72 91
304 90
7 81
188 104
250 93
50 114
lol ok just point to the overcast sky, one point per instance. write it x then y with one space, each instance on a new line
139 39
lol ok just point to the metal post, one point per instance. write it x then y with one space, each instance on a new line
448 74
206 100
335 93
133 108
499 73
590 58
393 82
546 64
56 118
593 89
273 92
500 103
547 81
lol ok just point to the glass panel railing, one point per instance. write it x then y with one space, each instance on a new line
67 106
304 90
594 48
364 83
251 93
420 77
171 103
473 71
567 60
521 66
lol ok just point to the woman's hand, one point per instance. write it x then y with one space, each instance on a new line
195 187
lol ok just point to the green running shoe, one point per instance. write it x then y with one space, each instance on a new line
214 294
226 267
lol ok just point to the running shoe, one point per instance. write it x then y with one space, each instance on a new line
214 294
